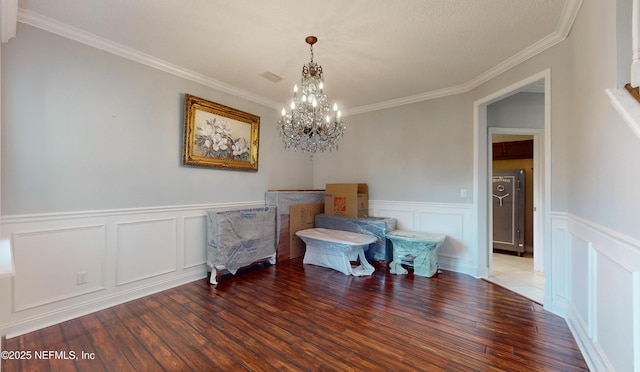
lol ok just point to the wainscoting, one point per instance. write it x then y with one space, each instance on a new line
71 264
454 220
601 286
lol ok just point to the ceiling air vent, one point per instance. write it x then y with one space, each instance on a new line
271 76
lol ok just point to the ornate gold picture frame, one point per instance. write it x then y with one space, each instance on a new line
217 136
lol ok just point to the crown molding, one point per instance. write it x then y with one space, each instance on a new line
8 19
568 16
563 28
64 30
407 100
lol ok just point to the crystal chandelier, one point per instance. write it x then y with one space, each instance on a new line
312 124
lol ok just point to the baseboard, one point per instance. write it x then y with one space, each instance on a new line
74 263
61 315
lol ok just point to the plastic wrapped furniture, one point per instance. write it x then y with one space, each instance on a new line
283 200
239 238
379 252
336 249
416 249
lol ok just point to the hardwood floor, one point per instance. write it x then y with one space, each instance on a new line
307 318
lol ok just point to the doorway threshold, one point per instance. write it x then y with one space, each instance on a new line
517 275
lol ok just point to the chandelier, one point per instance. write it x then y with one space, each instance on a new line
311 124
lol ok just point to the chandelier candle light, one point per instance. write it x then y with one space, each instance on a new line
312 124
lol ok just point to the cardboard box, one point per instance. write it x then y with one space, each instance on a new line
349 200
301 216
284 240
283 199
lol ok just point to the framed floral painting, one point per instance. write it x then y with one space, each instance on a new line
218 136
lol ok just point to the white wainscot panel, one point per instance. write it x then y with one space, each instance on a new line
145 249
604 313
557 294
405 219
195 241
452 220
580 278
617 311
450 224
49 262
455 222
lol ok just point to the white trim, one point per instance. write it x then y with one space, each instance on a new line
481 166
42 217
43 320
600 243
6 259
556 300
564 26
107 291
627 107
183 239
635 44
411 99
172 243
18 237
456 223
538 182
8 19
636 322
601 233
53 26
451 219
416 204
591 351
569 14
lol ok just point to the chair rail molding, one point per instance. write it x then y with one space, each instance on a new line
74 263
603 304
451 219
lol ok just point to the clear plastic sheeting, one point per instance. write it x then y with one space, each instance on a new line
239 238
336 249
415 249
284 199
379 251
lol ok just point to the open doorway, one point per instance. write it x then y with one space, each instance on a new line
514 190
512 118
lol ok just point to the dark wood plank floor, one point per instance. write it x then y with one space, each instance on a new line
307 318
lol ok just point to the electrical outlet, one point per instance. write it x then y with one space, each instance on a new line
463 193
82 277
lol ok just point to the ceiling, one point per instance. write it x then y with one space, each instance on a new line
374 53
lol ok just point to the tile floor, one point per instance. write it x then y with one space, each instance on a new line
516 274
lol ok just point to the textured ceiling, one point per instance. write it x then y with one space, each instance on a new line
374 53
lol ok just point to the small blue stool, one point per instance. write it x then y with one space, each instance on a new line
416 249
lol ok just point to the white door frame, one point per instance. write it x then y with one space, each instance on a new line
481 180
538 166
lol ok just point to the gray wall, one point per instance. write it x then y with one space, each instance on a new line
424 151
416 152
604 153
83 129
521 110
